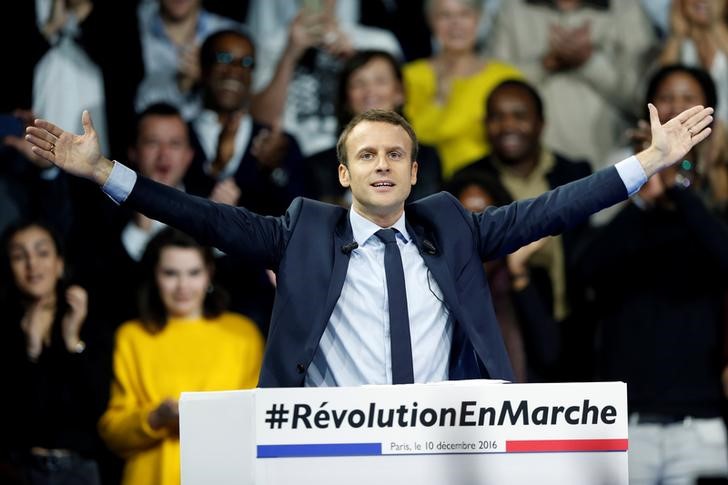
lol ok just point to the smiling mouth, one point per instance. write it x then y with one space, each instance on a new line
381 185
233 85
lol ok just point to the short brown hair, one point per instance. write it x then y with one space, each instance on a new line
377 115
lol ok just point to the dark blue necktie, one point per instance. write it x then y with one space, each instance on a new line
399 332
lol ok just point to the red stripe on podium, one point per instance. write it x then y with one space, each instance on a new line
525 446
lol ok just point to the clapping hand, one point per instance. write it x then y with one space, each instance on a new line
75 316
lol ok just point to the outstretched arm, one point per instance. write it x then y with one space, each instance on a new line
231 229
505 229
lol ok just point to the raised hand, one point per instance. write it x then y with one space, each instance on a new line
78 155
673 140
74 318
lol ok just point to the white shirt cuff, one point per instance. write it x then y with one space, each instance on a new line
120 182
50 173
632 174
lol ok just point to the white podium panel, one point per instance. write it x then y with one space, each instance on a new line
466 432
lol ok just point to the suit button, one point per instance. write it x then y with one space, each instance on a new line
300 368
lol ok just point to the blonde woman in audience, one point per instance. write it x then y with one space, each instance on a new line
446 93
183 341
699 38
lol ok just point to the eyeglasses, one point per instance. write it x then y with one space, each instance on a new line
246 62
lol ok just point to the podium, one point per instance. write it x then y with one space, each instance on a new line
462 432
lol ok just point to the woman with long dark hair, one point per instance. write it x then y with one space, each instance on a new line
182 341
52 386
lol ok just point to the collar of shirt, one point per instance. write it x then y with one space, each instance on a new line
207 127
363 229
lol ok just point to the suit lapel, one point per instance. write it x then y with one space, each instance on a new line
436 263
342 235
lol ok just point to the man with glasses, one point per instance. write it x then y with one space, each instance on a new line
239 159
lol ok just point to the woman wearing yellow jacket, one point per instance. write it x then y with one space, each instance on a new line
446 94
183 341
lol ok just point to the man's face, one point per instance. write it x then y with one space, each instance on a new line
380 170
162 151
228 78
512 123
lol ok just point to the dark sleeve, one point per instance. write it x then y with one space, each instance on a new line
502 230
234 230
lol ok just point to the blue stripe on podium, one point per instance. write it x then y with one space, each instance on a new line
322 449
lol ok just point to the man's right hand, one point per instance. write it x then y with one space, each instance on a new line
78 155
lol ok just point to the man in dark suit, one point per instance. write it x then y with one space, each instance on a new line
234 151
330 324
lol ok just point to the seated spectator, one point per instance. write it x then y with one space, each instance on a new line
171 33
526 168
586 58
183 340
446 93
50 356
369 80
238 158
672 89
662 331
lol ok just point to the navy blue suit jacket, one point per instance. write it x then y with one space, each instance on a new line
304 248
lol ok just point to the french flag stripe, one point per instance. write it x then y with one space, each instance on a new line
530 446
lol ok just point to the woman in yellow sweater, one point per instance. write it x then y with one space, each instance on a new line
183 341
446 93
